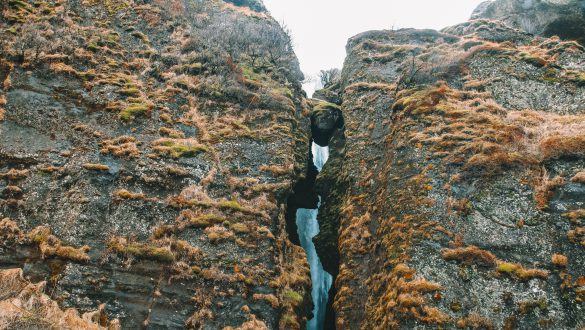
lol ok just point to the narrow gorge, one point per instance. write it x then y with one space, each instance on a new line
161 167
308 227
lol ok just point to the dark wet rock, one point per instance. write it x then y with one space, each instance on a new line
325 119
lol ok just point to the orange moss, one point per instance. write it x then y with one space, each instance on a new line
95 167
172 133
277 170
470 255
475 321
575 215
141 250
562 146
125 194
543 191
560 260
577 235
519 272
217 233
9 231
62 68
267 297
122 146
14 174
51 246
2 105
24 305
579 177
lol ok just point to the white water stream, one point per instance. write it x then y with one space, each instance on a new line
308 227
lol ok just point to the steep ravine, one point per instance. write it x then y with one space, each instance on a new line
308 227
303 208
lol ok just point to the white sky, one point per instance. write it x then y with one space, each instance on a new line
321 28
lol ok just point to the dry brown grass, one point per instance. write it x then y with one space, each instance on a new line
519 272
217 233
277 170
560 260
550 135
176 148
122 146
51 246
365 86
404 296
579 177
25 305
563 146
230 127
543 191
575 215
9 231
470 255
171 132
14 174
2 105
270 298
475 321
151 251
95 167
577 235
7 84
470 128
173 7
251 324
62 68
125 194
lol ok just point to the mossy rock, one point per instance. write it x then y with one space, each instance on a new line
133 110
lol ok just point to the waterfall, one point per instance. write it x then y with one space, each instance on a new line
308 227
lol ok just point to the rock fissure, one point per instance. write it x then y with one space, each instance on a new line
303 208
161 167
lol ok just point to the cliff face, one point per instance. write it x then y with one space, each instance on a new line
454 195
146 150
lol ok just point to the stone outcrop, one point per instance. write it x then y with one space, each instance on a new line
454 195
563 18
326 118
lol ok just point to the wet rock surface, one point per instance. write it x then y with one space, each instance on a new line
326 118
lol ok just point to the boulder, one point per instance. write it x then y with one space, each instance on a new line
563 18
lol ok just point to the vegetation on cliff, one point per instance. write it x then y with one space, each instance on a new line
455 180
147 148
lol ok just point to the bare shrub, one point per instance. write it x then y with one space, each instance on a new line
328 77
